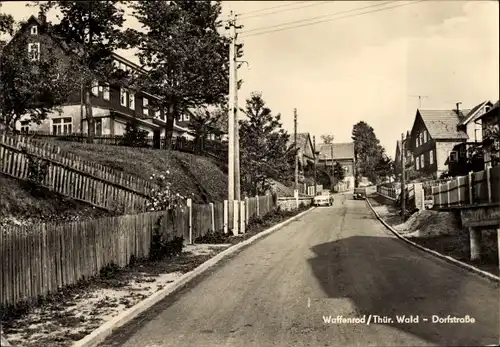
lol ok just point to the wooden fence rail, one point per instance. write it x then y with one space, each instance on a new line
72 181
54 154
477 188
39 259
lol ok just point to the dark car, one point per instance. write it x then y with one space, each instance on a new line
359 193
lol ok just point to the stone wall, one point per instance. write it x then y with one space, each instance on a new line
289 203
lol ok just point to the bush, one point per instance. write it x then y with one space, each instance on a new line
134 137
161 245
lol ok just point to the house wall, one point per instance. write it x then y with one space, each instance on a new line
443 150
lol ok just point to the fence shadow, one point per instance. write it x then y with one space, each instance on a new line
382 278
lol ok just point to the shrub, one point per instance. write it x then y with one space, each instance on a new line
134 137
38 168
164 199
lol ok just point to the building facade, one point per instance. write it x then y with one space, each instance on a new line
341 153
113 106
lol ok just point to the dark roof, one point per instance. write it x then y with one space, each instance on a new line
302 140
340 151
493 108
442 124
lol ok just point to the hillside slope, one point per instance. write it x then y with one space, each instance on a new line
191 175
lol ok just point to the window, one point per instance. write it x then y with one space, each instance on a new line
186 117
453 157
34 30
105 92
131 100
145 109
62 126
179 118
158 114
123 97
431 157
34 51
25 126
95 88
425 136
462 152
422 162
418 140
417 163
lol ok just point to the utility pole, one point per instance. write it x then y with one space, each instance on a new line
237 187
296 149
231 123
403 185
314 155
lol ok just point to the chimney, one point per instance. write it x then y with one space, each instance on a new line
458 108
42 17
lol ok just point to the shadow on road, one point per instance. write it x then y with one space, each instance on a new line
380 276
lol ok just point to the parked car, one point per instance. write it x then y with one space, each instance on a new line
323 199
359 193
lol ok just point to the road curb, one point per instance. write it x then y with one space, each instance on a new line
107 328
449 259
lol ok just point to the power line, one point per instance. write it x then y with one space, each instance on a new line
314 18
289 9
329 20
272 8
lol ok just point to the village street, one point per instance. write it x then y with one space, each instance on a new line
334 261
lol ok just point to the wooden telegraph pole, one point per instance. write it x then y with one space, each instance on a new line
314 155
232 92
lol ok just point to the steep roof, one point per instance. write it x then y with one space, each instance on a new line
442 124
471 113
340 151
302 140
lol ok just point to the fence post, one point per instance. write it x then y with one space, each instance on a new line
212 213
257 199
226 216
247 212
448 193
190 210
458 191
242 216
488 183
235 216
439 195
471 187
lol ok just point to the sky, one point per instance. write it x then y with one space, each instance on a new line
360 60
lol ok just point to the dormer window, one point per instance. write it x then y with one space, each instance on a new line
34 30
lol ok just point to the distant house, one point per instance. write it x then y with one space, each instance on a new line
408 154
490 120
113 105
342 153
305 151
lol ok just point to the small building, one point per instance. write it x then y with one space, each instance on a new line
342 153
305 153
409 160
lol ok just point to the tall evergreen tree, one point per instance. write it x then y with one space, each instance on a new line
367 151
265 151
184 53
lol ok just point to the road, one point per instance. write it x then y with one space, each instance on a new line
333 261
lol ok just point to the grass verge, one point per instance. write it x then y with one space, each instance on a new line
73 313
444 236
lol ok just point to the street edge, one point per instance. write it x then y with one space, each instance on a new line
449 259
99 334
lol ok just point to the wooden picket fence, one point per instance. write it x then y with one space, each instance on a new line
39 259
477 188
67 175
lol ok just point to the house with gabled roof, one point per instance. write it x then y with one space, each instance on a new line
342 153
113 105
439 138
490 122
305 151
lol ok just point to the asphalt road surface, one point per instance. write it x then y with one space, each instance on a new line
334 261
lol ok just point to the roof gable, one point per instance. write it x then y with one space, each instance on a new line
440 124
475 112
304 143
339 151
